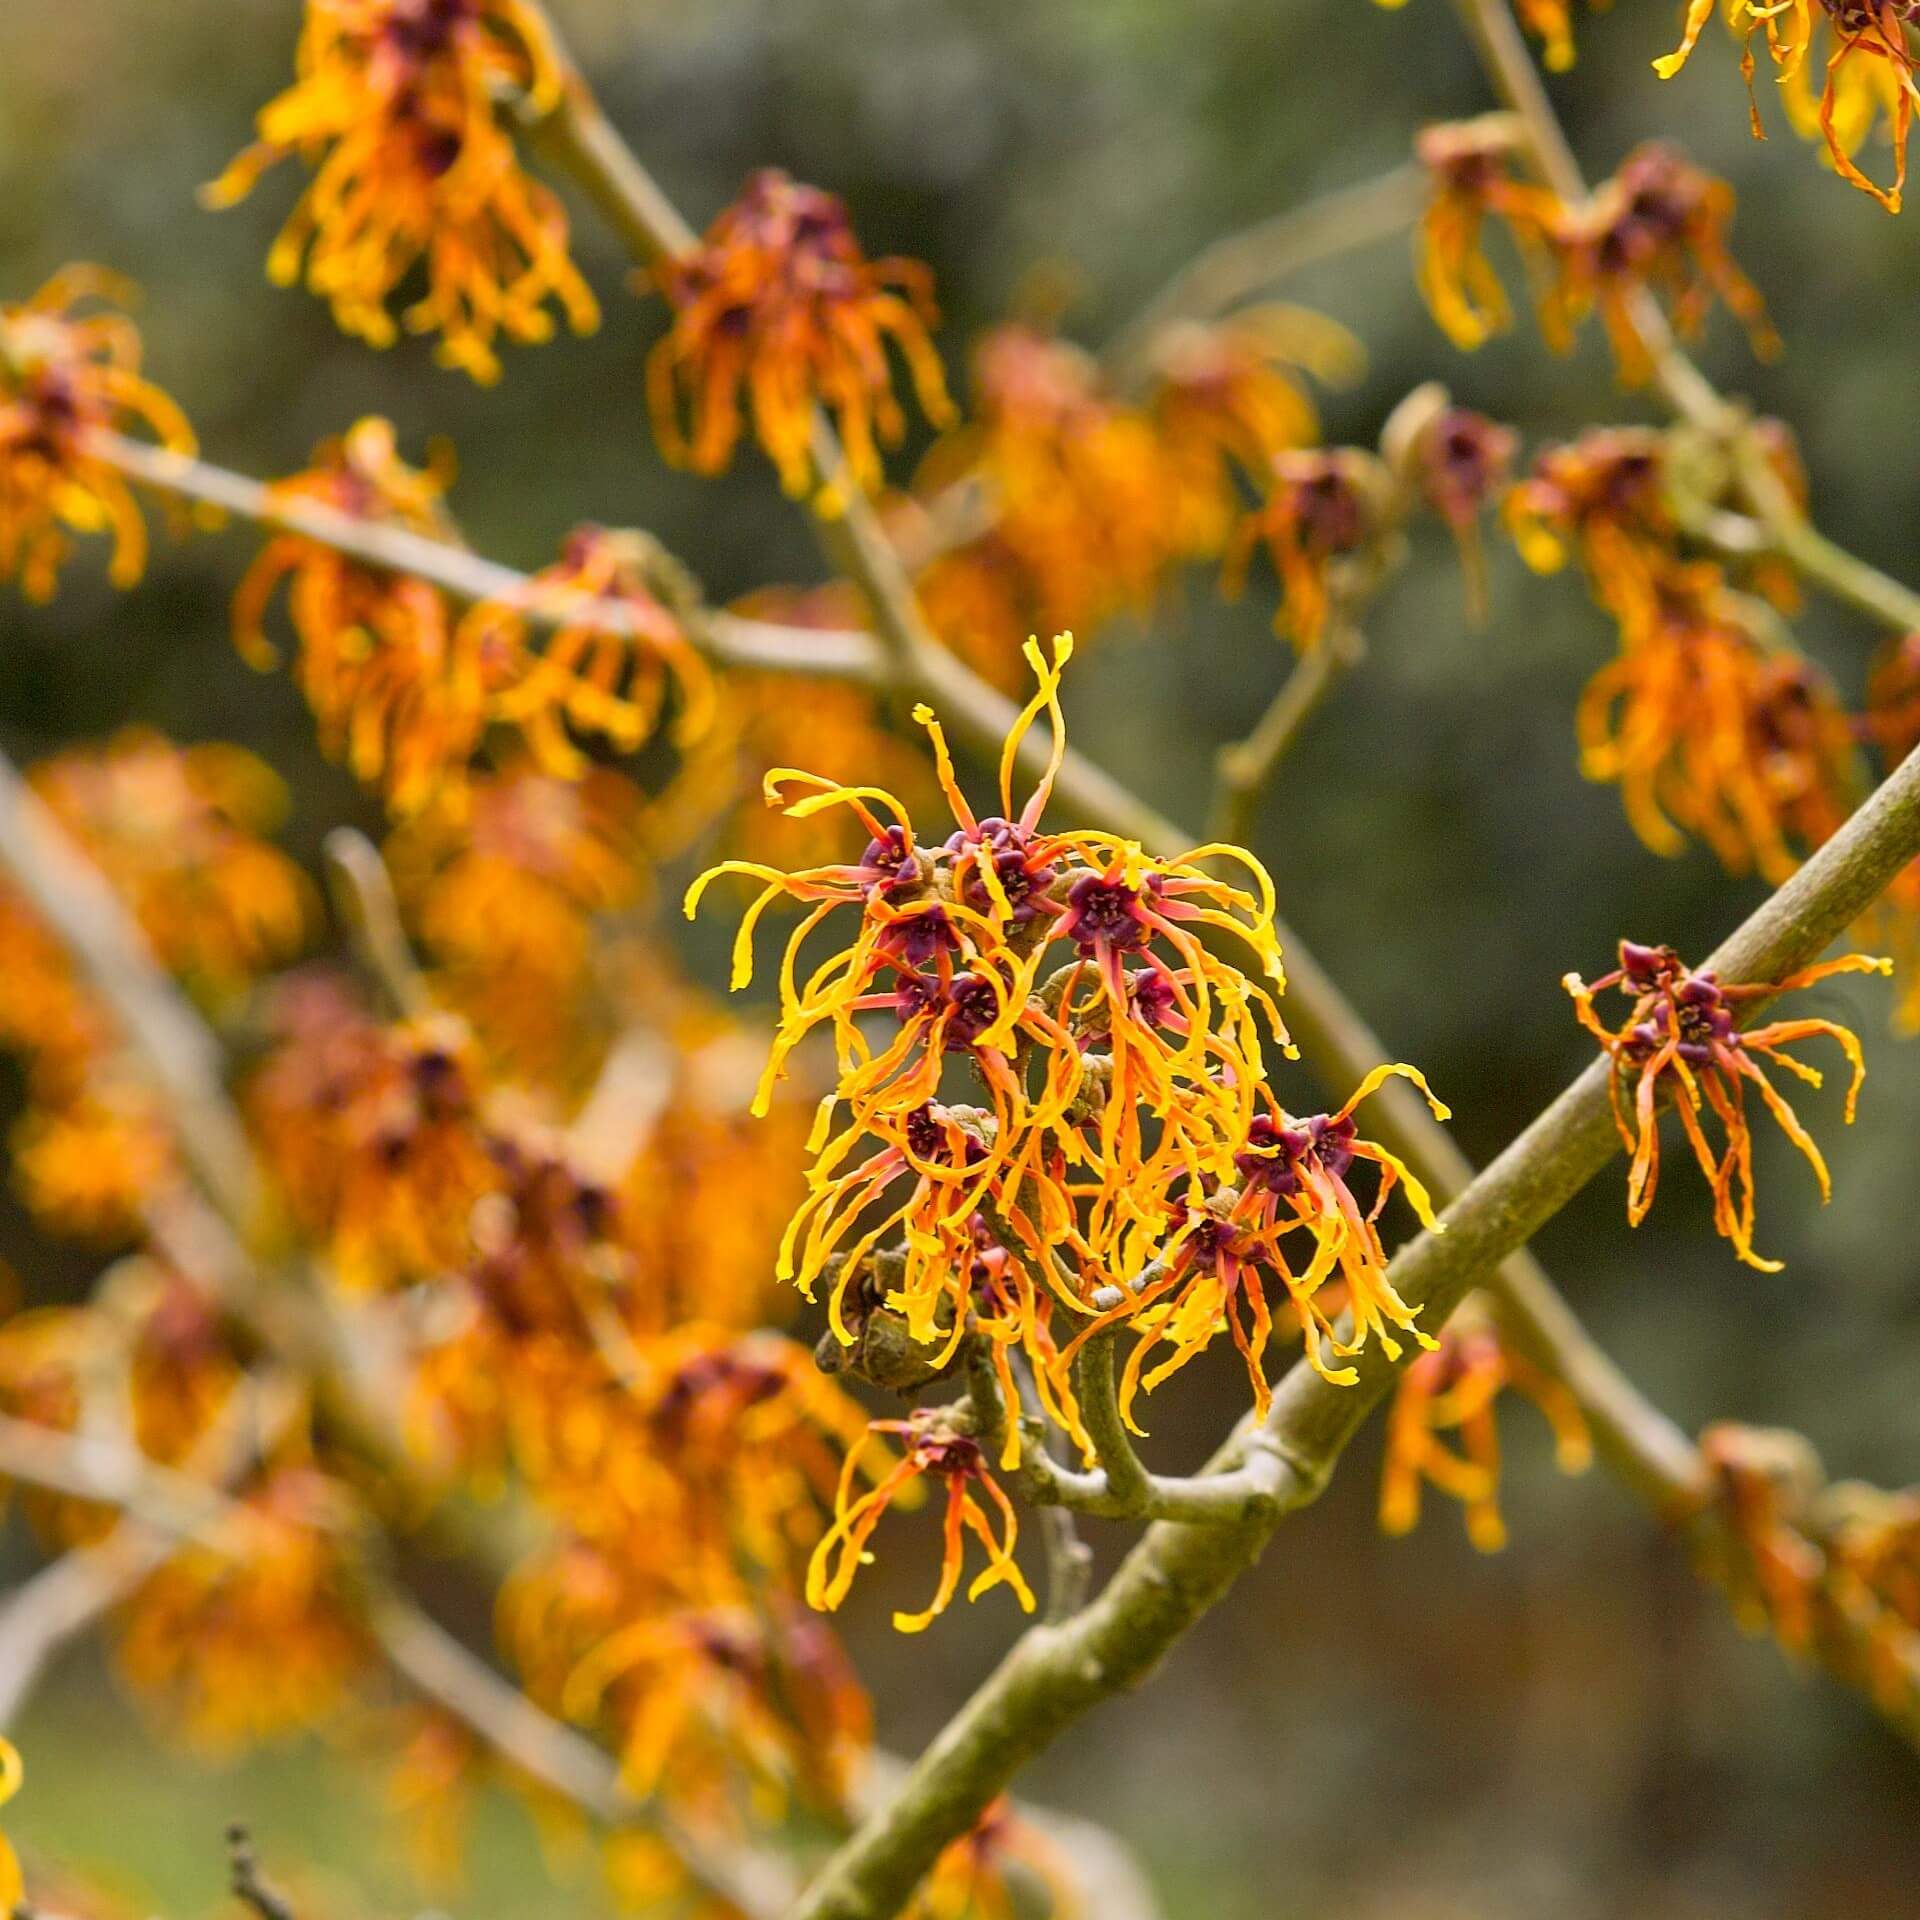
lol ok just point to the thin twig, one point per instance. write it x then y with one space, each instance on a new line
756 645
363 896
1244 769
246 1881
1239 265
1127 1478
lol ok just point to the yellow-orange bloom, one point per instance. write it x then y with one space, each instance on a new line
13 1888
931 1448
1226 398
692 1697
1470 164
1289 1177
374 1135
1680 1040
605 685
396 697
1086 514
1441 1428
505 883
88 1162
1077 956
1869 72
1659 225
255 1636
65 377
176 833
397 105
970 1880
1321 509
1708 731
778 309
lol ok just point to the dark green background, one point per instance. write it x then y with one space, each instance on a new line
1367 1728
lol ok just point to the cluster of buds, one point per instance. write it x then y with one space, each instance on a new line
1123 1163
67 377
1658 227
1681 1041
398 106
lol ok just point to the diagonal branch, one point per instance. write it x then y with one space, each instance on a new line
758 645
1057 1673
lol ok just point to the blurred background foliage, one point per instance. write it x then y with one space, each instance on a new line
1399 1729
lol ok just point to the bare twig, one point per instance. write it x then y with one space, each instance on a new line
249 1886
1244 769
757 645
363 896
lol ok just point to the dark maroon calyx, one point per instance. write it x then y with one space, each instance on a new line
889 865
973 1005
918 937
1103 912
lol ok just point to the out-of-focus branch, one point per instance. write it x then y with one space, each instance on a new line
65 889
64 1599
1239 265
1244 769
363 896
171 1507
757 645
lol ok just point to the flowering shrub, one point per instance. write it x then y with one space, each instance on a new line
466 1214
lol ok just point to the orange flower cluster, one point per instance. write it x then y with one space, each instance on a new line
778 308
592 1338
1867 73
1125 1131
1658 226
933 1448
1680 1041
1441 1428
398 105
1321 508
257 1634
404 693
505 883
1832 1570
1711 724
1093 499
66 377
608 686
146 1352
177 833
